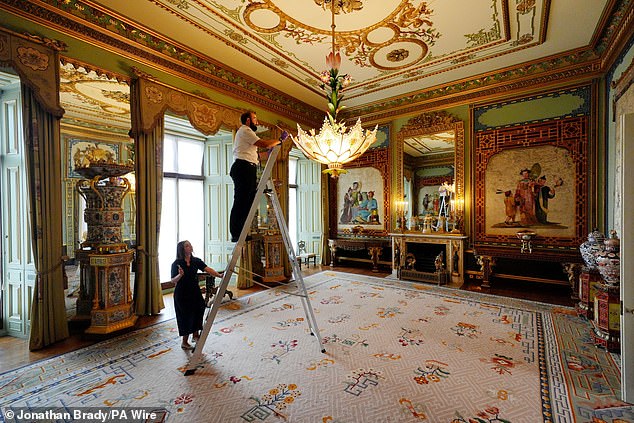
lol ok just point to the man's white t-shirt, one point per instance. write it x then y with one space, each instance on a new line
244 145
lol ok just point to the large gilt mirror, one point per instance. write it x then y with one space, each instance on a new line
430 189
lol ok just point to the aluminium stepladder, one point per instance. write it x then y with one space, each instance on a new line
265 187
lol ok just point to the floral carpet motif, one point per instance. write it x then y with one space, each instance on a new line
395 352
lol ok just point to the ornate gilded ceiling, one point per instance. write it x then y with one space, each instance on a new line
401 54
389 47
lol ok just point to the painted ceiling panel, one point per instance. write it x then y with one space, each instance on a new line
96 99
389 47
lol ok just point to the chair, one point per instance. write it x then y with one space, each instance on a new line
303 255
211 288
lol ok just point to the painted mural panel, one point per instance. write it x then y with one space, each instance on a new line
531 188
360 198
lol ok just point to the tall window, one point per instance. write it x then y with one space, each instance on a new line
182 212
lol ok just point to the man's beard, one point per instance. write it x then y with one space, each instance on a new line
253 127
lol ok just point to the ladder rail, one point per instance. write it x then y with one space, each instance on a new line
196 359
308 310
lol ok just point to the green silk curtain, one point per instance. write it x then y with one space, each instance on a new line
148 147
43 162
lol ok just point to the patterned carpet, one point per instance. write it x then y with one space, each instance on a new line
396 352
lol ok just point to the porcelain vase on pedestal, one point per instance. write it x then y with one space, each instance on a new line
607 307
589 248
589 276
608 260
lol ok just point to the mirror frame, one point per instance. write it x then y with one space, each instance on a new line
430 123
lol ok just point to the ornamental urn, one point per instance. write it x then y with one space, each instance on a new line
591 247
608 260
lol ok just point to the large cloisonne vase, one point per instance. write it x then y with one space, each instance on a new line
104 215
608 260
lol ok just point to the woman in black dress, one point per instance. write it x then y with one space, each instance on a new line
188 301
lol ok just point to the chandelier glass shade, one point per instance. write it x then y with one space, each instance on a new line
334 144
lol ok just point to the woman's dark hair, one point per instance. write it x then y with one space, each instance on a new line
180 250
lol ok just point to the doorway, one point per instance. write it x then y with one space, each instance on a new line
17 266
305 214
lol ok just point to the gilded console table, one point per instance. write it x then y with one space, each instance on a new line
539 265
356 248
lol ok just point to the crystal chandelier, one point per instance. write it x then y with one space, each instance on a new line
334 144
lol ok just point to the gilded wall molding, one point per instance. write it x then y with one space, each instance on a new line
204 115
429 123
621 86
36 60
91 24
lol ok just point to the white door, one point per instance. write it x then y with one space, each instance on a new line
18 269
627 264
309 222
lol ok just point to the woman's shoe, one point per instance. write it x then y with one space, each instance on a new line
187 347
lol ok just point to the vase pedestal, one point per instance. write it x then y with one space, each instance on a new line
589 279
607 318
112 307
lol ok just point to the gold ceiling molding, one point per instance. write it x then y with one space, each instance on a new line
616 37
204 115
345 6
483 88
36 60
124 79
91 23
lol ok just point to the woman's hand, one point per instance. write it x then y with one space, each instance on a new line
178 277
213 273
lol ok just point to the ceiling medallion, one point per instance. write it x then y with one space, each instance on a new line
397 55
406 23
347 6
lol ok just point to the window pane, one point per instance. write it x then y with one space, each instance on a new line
190 157
169 153
292 216
191 225
168 229
292 170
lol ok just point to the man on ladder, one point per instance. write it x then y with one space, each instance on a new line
239 235
244 169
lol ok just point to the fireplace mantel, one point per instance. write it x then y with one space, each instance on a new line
405 243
